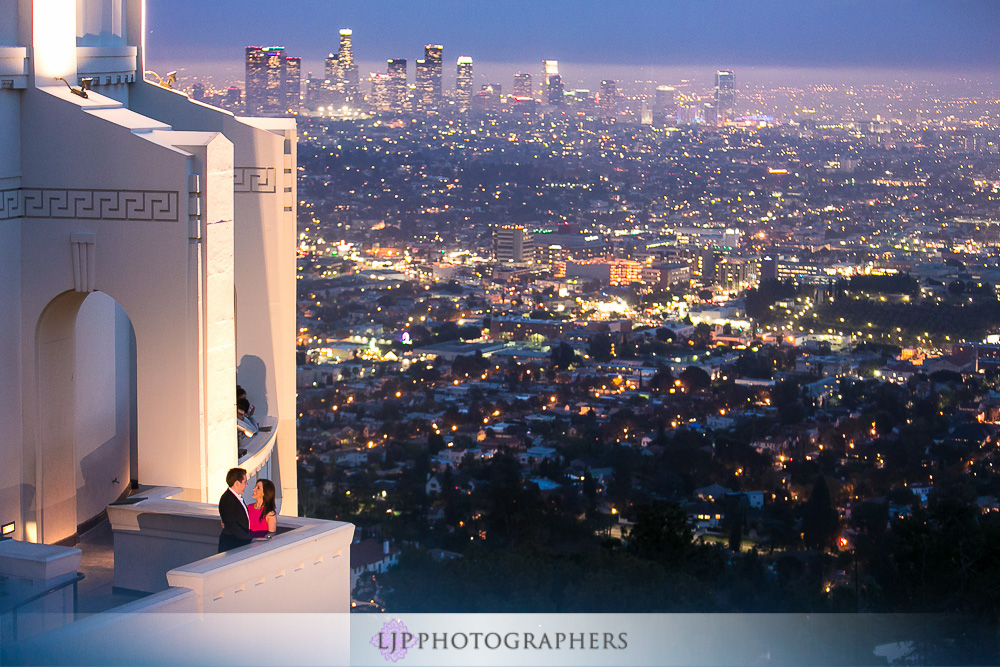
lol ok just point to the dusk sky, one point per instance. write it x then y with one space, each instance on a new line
950 35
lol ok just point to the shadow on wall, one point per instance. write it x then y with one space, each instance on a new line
251 374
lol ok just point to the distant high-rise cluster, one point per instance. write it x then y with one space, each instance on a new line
273 85
273 80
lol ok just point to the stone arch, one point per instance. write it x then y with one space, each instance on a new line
81 452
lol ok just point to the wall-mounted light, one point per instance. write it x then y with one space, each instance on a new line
7 529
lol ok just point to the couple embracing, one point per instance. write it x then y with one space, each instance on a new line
242 523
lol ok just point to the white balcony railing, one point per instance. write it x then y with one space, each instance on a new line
167 546
260 448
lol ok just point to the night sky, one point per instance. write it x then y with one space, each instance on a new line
924 34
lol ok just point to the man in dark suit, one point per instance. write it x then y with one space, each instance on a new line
235 518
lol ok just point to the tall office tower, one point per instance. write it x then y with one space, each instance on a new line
725 95
463 84
292 83
432 55
552 83
608 98
513 244
330 69
346 78
265 74
424 87
396 85
383 93
522 85
664 104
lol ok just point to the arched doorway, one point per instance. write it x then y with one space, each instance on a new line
81 454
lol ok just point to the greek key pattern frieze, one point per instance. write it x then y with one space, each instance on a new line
126 205
259 180
10 204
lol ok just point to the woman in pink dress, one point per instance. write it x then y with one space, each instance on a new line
263 516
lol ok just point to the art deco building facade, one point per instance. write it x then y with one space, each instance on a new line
147 266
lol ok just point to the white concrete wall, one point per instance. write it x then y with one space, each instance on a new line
8 23
10 362
265 237
10 138
162 287
160 541
104 365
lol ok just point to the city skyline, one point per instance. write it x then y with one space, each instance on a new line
776 33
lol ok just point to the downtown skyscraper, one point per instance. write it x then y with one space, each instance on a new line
552 92
272 80
397 91
725 95
463 84
428 79
608 98
341 70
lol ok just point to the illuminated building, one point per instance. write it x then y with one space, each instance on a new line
428 79
611 271
581 99
522 85
149 212
396 85
233 99
488 98
609 98
422 100
433 57
330 67
382 92
735 274
725 95
292 83
664 104
342 71
513 244
273 80
552 82
463 84
265 67
665 275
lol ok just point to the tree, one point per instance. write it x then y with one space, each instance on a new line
599 347
695 379
563 355
819 519
661 533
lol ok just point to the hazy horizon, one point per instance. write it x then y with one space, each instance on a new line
589 75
